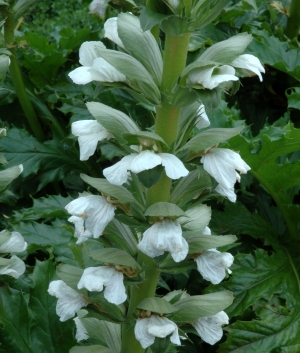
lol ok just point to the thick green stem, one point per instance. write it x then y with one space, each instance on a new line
293 23
18 81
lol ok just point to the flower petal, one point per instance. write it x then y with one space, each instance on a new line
250 63
227 192
202 118
13 267
145 160
81 75
175 169
142 334
111 31
81 332
88 52
103 71
15 243
98 7
118 173
69 301
115 291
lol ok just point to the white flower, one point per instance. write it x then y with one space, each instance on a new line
95 278
145 160
228 192
13 267
94 68
210 328
111 31
89 133
213 264
147 329
96 213
211 76
81 332
174 4
202 118
99 7
250 65
221 164
69 301
164 236
15 243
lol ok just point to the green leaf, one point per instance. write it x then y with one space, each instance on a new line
261 276
199 243
157 305
199 217
4 236
190 186
4 63
150 177
205 11
107 332
118 192
141 45
2 2
114 256
182 96
164 209
8 175
113 120
293 97
22 6
134 138
69 274
34 327
149 18
90 349
211 137
197 306
253 4
175 25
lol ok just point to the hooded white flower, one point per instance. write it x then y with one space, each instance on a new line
89 133
210 328
202 118
211 76
81 332
221 164
69 301
250 65
147 329
94 68
95 212
165 235
111 31
98 7
15 243
13 267
95 278
227 192
145 160
213 264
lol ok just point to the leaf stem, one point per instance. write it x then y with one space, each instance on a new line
17 80
293 23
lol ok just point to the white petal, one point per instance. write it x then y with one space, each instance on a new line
88 52
98 7
175 169
202 118
111 31
144 161
249 62
200 75
81 332
15 243
13 267
206 231
81 75
89 132
118 173
164 236
69 301
142 334
209 328
95 278
220 74
212 265
161 326
228 192
221 164
80 233
103 71
95 210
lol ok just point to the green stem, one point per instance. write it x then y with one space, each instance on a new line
293 23
18 81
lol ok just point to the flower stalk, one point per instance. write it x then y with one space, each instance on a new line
17 79
293 23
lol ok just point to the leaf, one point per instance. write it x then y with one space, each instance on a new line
8 175
150 177
175 25
211 137
114 256
197 306
4 63
51 161
253 4
261 276
164 209
149 18
270 50
34 327
22 6
157 305
90 349
293 97
200 243
198 218
118 192
69 274
134 138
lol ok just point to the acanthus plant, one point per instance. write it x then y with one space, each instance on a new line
145 222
